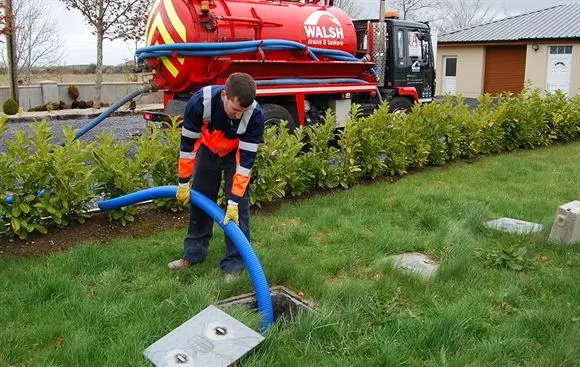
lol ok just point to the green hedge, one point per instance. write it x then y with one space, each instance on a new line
315 157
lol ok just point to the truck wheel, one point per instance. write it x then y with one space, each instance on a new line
274 113
400 104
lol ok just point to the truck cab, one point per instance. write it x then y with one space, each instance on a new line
403 53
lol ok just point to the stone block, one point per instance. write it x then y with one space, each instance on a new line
566 227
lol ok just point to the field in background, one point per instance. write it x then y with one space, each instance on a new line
76 78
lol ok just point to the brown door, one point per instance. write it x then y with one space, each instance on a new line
505 68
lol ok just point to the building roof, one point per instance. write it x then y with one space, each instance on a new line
557 22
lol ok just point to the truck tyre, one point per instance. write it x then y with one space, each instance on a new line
400 104
274 113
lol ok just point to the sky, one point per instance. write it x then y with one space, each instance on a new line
508 7
80 45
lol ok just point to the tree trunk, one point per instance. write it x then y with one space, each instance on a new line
99 71
12 62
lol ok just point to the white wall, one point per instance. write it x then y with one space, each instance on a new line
575 72
536 66
470 69
31 95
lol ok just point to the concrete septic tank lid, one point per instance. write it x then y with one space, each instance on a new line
516 226
210 338
415 263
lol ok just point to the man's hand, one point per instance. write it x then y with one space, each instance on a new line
232 213
183 194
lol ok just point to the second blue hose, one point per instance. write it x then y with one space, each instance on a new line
225 48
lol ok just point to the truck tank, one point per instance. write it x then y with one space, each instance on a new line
223 22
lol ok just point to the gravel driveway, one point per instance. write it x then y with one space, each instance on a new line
121 126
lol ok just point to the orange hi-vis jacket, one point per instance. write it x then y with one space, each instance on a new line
206 122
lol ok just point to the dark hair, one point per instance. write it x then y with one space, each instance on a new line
243 86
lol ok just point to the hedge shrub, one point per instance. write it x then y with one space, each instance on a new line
10 107
32 167
314 157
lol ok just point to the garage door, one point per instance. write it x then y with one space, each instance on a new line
505 68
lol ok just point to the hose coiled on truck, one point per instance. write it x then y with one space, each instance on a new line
232 48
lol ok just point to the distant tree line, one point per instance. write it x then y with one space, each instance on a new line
124 68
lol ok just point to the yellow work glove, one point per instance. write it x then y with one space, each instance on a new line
232 212
183 194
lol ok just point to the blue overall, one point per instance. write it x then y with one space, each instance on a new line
214 146
206 180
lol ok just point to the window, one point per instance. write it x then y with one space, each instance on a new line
561 50
425 50
451 66
414 43
401 46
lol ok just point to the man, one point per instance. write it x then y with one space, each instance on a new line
221 131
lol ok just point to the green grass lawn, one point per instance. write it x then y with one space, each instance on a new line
103 305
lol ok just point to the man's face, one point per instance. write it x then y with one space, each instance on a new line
232 107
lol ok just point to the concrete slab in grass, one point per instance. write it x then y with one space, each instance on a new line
211 338
414 263
516 226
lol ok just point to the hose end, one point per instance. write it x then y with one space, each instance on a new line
148 87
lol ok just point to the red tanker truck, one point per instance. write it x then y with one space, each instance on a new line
306 56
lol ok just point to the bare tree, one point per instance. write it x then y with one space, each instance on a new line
415 9
464 13
37 38
351 7
133 30
106 17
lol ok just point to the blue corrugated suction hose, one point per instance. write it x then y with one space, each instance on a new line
225 48
144 89
231 230
205 49
10 200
